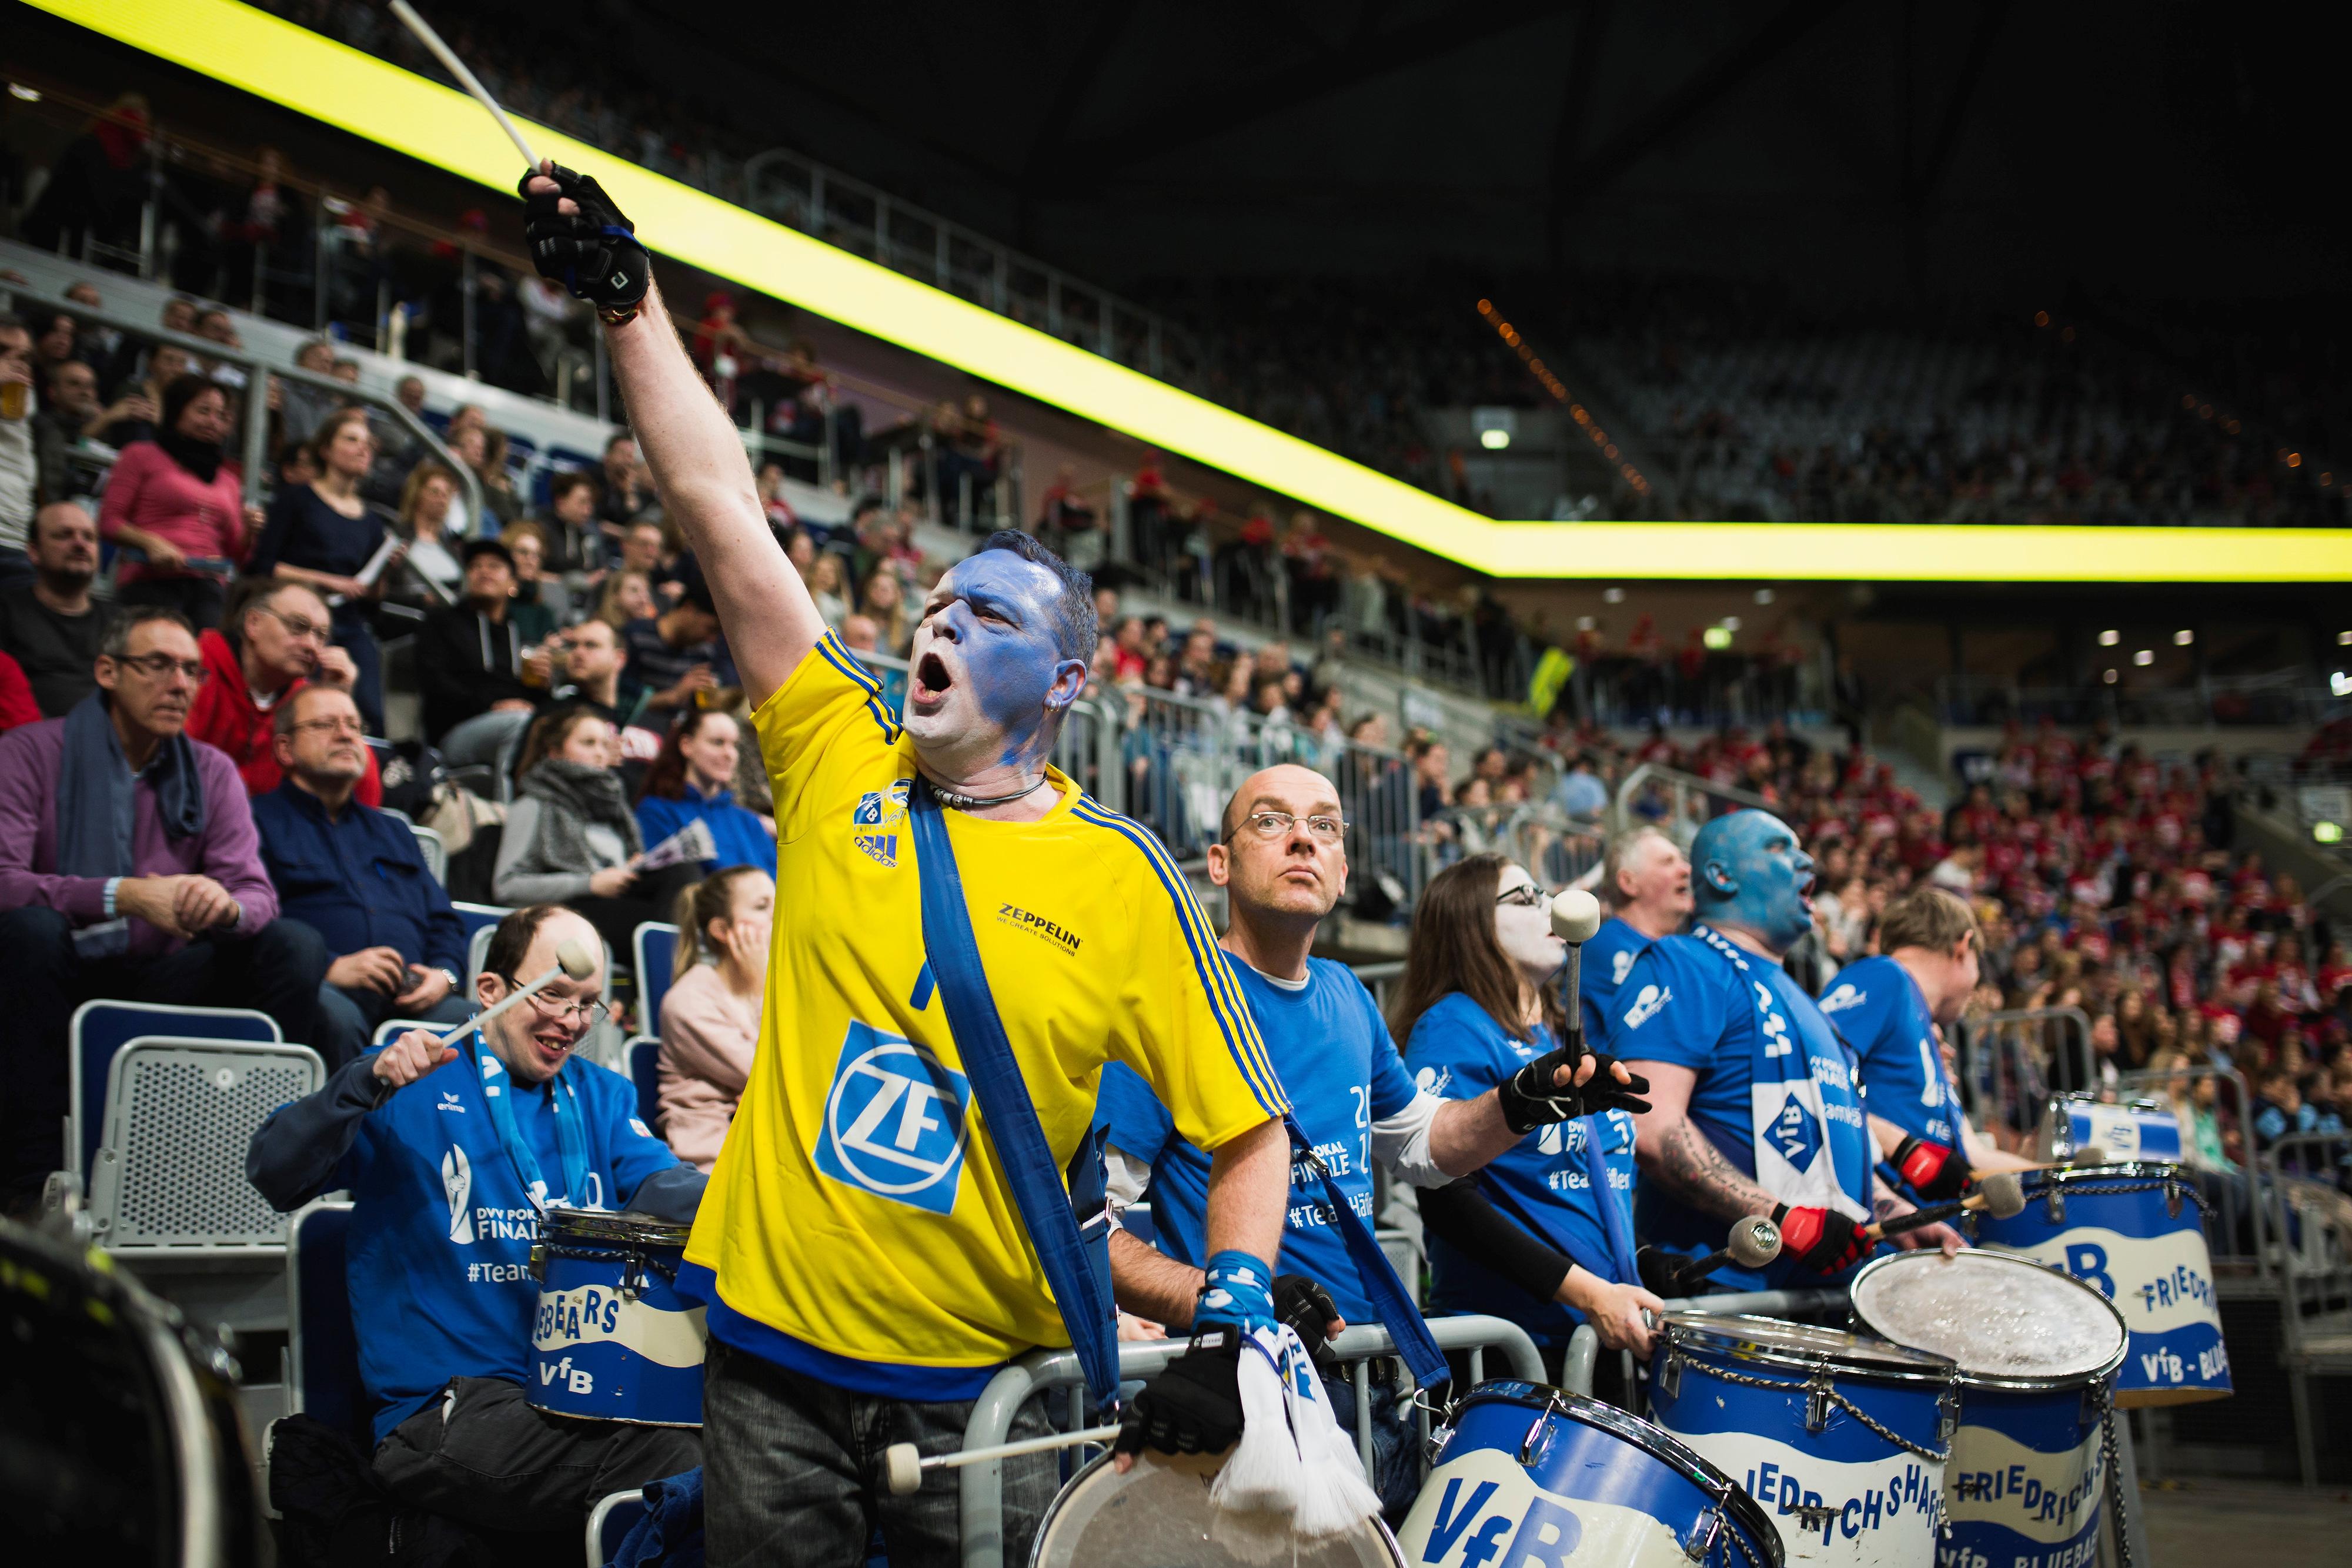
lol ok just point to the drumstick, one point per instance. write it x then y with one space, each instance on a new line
1999 1195
2088 1155
571 958
1753 1242
906 1466
465 78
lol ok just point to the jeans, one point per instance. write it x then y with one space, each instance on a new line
276 969
348 1019
481 1455
793 1472
1396 1457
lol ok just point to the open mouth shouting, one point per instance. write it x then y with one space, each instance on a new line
931 682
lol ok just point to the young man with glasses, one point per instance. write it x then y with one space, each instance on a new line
129 868
277 639
354 874
1282 860
451 1152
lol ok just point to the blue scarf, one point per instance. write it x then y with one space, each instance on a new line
1615 1207
98 807
571 1141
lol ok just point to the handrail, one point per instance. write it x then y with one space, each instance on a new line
256 401
2039 1091
1680 785
2157 1083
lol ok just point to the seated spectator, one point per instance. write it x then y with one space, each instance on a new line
860 635
570 837
1580 793
676 654
643 547
472 445
355 876
569 526
628 596
692 780
18 707
272 644
828 588
177 911
323 533
541 604
710 1014
32 455
427 504
470 664
176 501
138 403
589 659
885 603
442 1294
50 625
69 403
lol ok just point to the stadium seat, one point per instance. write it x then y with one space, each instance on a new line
480 920
101 1027
613 1517
435 852
644 1053
655 947
168 1175
323 1375
391 1029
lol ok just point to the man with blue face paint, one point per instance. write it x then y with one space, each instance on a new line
1756 1107
863 1246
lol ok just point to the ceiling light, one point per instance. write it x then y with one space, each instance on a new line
1617 596
2340 684
2110 678
1585 623
1717 637
1494 440
2182 638
1730 622
2109 638
2144 657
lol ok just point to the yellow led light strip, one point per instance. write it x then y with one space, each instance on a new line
328 81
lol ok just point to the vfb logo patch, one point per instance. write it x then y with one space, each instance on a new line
1795 1134
894 1122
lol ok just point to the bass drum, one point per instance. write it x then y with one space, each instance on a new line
1158 1514
119 1432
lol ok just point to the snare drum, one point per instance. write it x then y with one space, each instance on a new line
1529 1472
2136 1232
2135 1130
1842 1439
614 1341
2037 1354
1158 1513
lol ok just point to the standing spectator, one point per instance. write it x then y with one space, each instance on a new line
50 625
1066 522
176 501
693 778
540 605
710 1014
323 534
674 655
177 911
628 489
470 664
428 502
355 875
276 639
97 185
138 403
484 450
1582 793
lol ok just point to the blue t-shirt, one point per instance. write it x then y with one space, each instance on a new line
736 834
439 1250
1608 959
1458 1050
1877 1007
1685 1004
1333 1054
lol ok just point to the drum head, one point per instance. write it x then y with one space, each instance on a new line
2007 1321
1158 1514
1801 1346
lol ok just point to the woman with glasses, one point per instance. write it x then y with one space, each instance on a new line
325 536
1543 1235
177 502
277 637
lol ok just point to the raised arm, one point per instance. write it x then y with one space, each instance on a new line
580 240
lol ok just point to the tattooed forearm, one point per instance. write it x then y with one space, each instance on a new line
1690 1166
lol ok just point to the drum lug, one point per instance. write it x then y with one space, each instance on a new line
1539 1437
2172 1199
1817 1406
1948 1411
1704 1536
2053 1203
539 1262
1670 1374
633 1277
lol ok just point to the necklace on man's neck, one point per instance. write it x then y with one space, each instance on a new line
963 802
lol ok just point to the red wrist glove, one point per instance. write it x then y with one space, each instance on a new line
1936 1172
1823 1240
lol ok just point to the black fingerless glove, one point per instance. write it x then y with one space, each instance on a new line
1303 1304
1530 1099
1193 1406
594 252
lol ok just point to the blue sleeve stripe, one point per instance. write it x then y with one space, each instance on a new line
1225 1000
839 658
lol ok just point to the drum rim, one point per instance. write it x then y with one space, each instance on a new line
2055 1382
2090 1097
1054 1509
1699 1324
1647 1436
612 1225
2113 1170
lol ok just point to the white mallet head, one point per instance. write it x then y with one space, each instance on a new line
903 1469
575 960
2004 1195
1754 1242
1575 916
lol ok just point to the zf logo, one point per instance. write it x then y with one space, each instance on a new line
890 1126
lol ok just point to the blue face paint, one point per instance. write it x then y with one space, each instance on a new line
998 627
1749 871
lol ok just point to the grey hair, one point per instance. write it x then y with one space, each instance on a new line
116 644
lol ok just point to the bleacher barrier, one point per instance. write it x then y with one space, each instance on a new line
655 946
643 1054
2306 1173
609 1523
435 852
1677 803
322 1349
101 1027
980 1486
2012 1063
480 920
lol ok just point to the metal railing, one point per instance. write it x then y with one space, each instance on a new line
2003 1057
2307 1173
982 1485
1678 803
2277 697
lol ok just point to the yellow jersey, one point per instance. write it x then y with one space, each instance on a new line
851 1233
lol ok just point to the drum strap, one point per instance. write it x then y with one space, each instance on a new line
1415 1345
1080 1278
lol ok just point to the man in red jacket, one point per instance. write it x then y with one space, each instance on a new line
280 640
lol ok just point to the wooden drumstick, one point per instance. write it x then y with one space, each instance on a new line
1999 1195
904 1466
571 958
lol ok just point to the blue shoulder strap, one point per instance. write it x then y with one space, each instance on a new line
1081 1291
1387 1293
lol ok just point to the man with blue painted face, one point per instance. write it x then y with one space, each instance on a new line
863 1248
1755 1104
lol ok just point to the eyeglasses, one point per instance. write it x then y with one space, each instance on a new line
352 725
565 1010
299 627
1277 824
1527 895
161 667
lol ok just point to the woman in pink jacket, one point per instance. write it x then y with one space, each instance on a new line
710 1015
177 502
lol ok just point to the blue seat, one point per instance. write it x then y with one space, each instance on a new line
323 1347
101 1027
481 920
644 1056
655 946
615 1515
